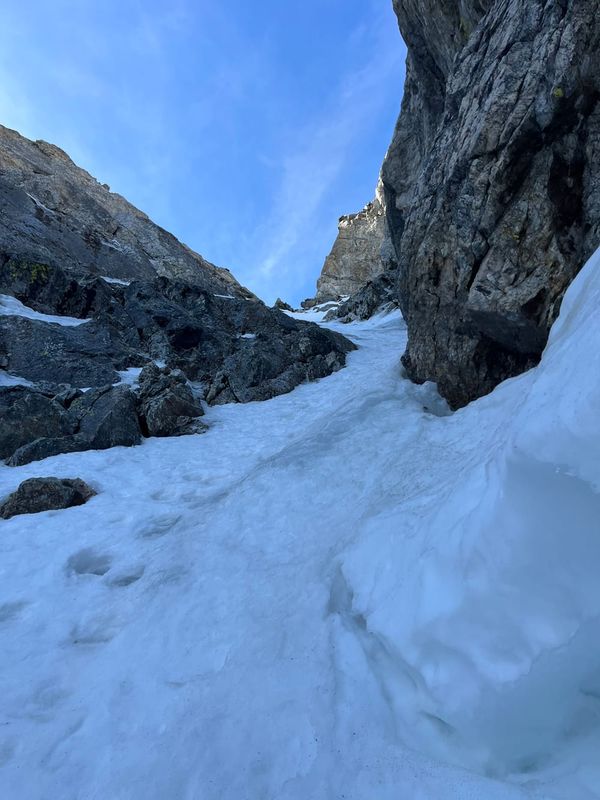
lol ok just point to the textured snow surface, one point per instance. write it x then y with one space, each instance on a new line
11 307
344 592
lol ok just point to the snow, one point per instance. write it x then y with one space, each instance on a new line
116 281
7 379
130 376
11 307
345 591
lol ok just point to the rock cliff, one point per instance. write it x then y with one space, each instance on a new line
492 181
361 252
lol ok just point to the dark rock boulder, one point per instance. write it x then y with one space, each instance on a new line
97 420
45 494
107 418
167 406
492 181
26 415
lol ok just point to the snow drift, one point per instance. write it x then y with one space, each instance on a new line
490 600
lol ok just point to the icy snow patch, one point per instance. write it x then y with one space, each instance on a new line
130 376
11 307
6 379
116 281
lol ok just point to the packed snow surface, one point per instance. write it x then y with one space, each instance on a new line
344 592
11 307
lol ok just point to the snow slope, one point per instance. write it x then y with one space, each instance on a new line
344 592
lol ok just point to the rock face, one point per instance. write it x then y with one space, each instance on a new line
361 252
492 181
45 494
52 212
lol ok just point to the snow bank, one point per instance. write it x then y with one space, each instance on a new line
489 600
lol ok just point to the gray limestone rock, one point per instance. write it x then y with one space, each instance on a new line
55 213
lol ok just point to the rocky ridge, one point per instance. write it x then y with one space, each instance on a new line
91 361
55 213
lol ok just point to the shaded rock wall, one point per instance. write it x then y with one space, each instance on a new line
492 181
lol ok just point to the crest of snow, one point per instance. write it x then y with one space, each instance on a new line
247 336
225 296
6 379
116 281
11 307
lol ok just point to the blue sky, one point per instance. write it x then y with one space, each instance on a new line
245 127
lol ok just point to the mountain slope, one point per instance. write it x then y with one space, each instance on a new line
54 212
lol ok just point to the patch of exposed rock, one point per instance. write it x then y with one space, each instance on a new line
361 252
45 494
167 405
492 181
281 305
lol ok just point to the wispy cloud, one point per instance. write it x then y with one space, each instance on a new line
317 155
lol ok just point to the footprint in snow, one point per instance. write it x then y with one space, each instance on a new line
10 611
127 577
88 562
95 630
160 526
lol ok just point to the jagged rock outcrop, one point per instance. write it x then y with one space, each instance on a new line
492 181
168 406
377 295
361 252
53 212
